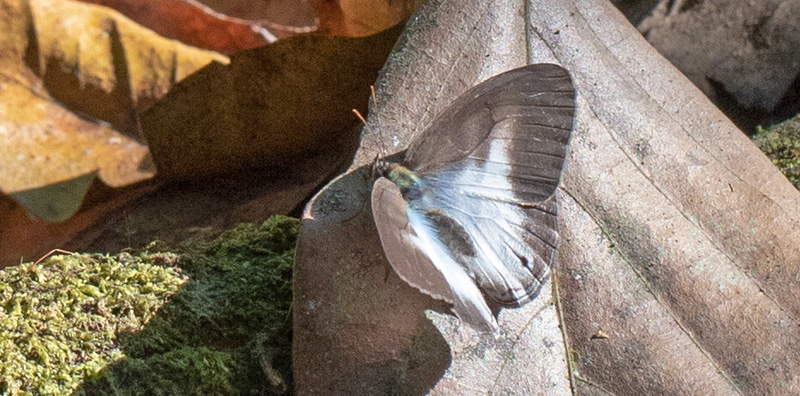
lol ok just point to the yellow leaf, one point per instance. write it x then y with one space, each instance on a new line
73 79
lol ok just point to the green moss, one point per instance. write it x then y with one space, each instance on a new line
59 318
781 143
102 325
227 332
179 371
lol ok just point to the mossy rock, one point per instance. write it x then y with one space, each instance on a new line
213 319
781 143
59 318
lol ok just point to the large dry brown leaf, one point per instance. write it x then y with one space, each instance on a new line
695 278
678 260
350 308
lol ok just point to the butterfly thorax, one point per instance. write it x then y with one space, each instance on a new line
411 186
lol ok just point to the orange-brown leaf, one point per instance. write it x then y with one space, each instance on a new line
357 18
195 24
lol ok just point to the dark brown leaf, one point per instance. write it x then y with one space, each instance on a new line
273 107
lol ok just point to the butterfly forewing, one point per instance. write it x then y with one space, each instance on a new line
540 98
491 163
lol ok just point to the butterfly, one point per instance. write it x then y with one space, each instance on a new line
469 216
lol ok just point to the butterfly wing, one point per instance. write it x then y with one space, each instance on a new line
537 97
492 162
419 259
514 241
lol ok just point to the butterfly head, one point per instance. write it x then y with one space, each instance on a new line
379 166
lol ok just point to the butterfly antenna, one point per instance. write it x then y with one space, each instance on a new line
377 163
363 121
369 129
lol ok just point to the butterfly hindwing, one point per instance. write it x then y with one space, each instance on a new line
414 256
515 245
